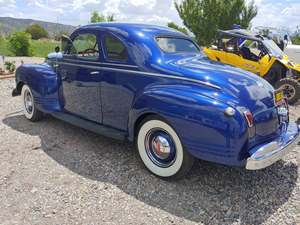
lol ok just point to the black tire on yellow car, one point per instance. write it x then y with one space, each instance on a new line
291 89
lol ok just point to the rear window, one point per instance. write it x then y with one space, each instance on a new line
176 45
115 49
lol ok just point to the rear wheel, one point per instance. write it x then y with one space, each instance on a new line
29 107
161 150
291 89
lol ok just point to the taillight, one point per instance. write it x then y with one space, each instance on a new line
249 117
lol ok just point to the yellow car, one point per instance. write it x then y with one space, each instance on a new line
260 55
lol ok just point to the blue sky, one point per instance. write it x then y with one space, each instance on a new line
273 13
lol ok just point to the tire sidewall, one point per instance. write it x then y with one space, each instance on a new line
26 113
295 84
160 171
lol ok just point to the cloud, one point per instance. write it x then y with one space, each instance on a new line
278 14
272 13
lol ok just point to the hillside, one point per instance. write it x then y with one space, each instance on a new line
9 25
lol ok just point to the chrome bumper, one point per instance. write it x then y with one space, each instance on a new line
267 154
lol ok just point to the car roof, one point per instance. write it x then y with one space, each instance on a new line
131 28
241 33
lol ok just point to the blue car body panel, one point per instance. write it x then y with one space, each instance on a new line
187 90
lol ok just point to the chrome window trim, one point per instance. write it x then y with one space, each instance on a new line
143 73
101 63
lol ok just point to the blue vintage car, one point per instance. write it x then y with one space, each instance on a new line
152 85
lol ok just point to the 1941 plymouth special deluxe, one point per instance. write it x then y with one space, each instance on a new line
152 85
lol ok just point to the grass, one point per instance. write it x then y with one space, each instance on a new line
4 49
40 48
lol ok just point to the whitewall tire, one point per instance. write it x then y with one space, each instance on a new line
161 149
29 107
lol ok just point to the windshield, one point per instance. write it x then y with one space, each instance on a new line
177 45
273 48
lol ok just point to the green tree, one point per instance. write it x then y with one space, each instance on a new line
110 18
205 17
248 13
296 40
37 32
97 17
20 44
176 27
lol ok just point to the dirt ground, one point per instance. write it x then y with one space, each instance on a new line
54 173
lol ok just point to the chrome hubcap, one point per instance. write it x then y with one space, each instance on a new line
160 147
28 101
288 90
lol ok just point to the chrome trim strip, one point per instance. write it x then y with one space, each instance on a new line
100 63
143 73
271 153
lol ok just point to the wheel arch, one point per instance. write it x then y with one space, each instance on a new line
139 120
18 89
276 68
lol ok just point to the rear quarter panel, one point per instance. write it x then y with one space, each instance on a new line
44 83
199 121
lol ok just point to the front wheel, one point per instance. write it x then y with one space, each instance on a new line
291 89
161 149
29 107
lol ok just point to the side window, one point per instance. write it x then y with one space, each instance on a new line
86 46
251 50
115 49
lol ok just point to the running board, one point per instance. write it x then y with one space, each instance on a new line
91 126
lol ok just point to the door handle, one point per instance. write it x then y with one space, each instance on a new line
94 73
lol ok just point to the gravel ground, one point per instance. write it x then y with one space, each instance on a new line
54 173
19 60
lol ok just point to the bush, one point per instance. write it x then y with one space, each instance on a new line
37 32
19 43
10 66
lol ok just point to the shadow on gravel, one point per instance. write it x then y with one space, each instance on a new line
211 194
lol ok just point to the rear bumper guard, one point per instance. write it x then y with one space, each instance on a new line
267 154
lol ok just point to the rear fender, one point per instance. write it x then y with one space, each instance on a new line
44 83
199 121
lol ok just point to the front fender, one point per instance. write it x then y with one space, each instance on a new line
44 83
199 120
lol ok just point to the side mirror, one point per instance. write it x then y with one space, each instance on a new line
57 49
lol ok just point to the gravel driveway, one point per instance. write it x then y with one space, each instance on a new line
54 173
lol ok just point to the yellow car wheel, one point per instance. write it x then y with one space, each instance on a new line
291 89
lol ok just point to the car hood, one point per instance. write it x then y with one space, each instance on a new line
288 63
249 89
